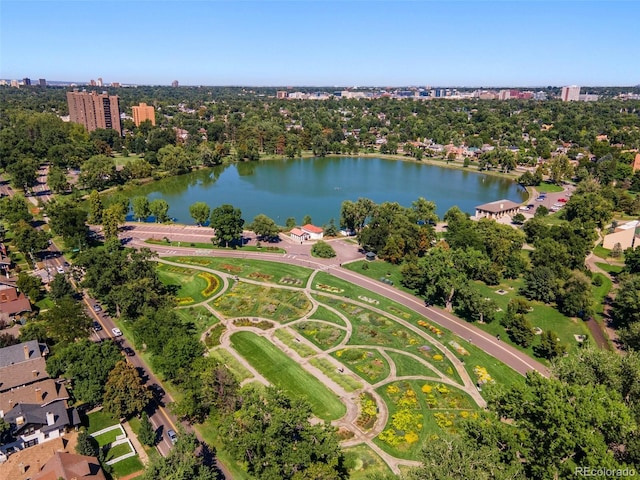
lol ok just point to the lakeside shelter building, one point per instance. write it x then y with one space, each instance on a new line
306 232
497 209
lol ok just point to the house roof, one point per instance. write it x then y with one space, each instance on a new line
70 466
41 393
296 231
312 228
12 302
498 206
24 414
22 364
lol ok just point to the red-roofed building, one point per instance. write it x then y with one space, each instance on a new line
12 303
71 466
315 233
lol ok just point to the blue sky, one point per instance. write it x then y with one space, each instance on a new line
324 43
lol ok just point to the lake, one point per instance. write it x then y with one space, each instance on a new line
318 186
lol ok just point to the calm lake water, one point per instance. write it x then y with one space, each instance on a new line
317 187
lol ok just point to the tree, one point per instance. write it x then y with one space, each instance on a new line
29 285
518 219
183 462
57 180
24 172
67 321
112 217
550 346
291 222
60 287
28 239
330 229
632 260
124 393
521 331
306 220
159 209
575 298
200 211
140 207
86 445
95 208
560 169
227 222
541 284
98 172
323 250
68 219
626 307
589 207
13 209
146 434
630 336
264 227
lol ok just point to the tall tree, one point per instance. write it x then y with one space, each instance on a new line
227 222
67 321
264 227
200 211
140 207
159 209
124 393
95 208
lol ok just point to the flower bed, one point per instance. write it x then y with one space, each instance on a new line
247 322
406 423
482 375
185 300
328 288
368 412
433 329
212 283
458 348
369 300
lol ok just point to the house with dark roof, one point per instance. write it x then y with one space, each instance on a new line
41 393
32 424
70 466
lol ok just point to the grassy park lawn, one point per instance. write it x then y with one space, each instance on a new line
599 295
289 339
283 372
346 381
323 335
193 286
363 463
323 313
107 437
369 364
261 270
545 187
212 246
248 299
199 316
121 160
376 270
326 283
542 316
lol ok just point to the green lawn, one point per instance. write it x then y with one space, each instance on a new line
108 437
612 269
117 451
548 188
347 382
127 467
121 160
407 366
152 452
261 270
378 269
231 362
290 341
321 334
369 364
284 373
211 246
96 421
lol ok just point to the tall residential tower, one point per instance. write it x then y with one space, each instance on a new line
571 93
94 110
143 112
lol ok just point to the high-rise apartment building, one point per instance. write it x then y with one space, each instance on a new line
94 110
99 81
174 84
42 82
26 81
143 112
570 93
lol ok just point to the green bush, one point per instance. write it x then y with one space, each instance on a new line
323 250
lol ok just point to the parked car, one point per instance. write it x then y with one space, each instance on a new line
116 332
173 437
60 269
128 351
96 326
97 308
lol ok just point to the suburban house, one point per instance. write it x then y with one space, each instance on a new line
307 232
12 303
626 234
32 424
70 466
22 364
497 209
42 393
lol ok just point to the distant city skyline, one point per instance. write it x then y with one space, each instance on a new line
323 43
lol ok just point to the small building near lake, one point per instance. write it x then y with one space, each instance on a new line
497 209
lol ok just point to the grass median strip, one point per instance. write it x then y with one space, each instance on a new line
284 373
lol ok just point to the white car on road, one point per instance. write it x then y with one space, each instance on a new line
116 332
